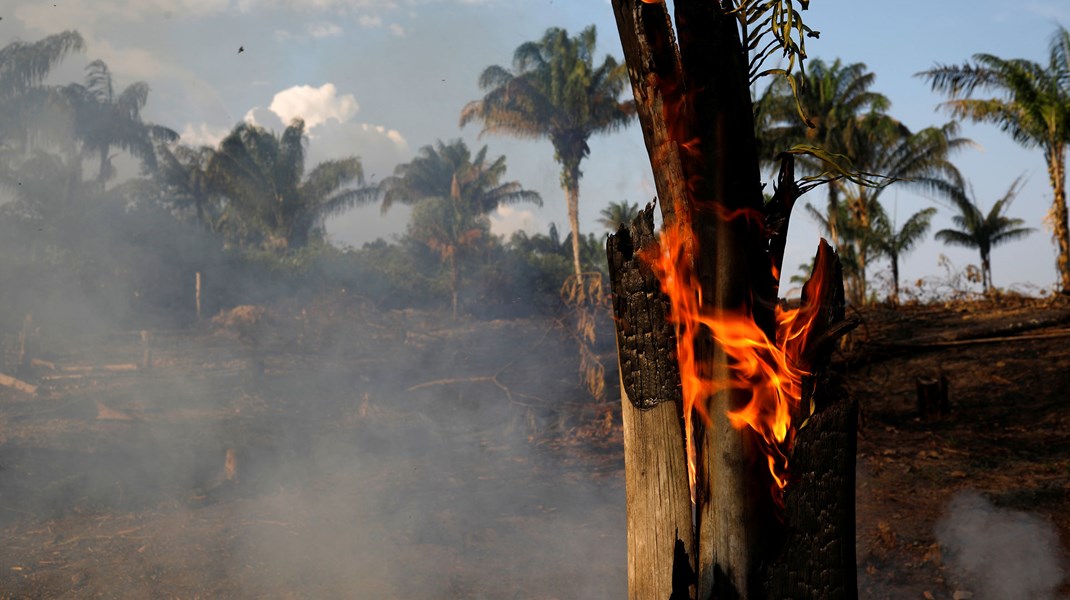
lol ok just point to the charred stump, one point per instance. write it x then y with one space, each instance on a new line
693 101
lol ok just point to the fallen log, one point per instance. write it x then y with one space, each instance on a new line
17 384
112 368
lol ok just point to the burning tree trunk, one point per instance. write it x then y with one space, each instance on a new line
714 275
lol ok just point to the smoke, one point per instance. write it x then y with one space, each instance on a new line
999 553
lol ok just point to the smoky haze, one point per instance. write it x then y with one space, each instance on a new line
203 397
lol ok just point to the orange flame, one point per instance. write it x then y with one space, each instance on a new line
770 370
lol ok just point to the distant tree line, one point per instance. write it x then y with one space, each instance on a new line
251 214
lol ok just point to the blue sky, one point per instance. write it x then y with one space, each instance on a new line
381 78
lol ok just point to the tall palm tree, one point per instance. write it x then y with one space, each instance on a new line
23 68
453 192
270 199
894 243
618 213
976 229
835 98
556 92
1032 104
105 119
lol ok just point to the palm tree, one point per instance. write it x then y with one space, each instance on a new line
915 160
183 171
835 99
23 67
1032 104
618 213
894 243
270 199
975 229
453 193
555 92
436 169
106 119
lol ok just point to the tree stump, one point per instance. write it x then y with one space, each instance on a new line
932 396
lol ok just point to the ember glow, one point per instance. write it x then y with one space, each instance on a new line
771 371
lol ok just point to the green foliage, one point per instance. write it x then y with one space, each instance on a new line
780 20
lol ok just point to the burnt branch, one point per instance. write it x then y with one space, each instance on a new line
778 212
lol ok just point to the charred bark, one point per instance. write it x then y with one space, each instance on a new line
661 545
816 560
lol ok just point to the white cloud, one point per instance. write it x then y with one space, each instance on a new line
323 30
391 134
314 105
397 30
370 21
506 220
202 134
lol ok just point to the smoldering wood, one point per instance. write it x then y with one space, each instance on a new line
661 545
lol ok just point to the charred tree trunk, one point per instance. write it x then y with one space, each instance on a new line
694 106
661 544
